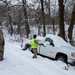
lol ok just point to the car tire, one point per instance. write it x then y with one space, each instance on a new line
62 58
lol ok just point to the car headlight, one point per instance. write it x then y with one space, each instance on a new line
73 54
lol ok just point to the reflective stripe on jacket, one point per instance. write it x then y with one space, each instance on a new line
33 44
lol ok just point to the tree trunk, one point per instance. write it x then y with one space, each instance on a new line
53 25
10 21
39 28
2 42
43 17
26 18
61 15
19 24
49 13
70 30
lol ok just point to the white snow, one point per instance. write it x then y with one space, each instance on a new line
18 62
58 41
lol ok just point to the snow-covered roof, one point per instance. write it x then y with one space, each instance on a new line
58 41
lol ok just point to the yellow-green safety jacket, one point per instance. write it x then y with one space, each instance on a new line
33 44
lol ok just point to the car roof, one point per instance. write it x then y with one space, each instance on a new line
58 41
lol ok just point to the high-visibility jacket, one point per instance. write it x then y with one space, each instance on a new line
33 44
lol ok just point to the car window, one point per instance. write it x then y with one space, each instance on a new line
50 41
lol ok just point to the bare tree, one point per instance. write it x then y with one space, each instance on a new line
70 30
61 15
9 15
47 5
26 18
49 12
43 17
19 22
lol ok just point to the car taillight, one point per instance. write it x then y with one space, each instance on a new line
22 40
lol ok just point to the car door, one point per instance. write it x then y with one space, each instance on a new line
48 50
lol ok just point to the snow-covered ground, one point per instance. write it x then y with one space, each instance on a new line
18 62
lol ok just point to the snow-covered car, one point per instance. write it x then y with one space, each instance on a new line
55 47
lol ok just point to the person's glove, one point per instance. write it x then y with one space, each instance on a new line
43 45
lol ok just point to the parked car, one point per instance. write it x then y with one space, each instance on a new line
55 47
59 49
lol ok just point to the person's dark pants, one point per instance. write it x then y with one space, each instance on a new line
27 46
35 52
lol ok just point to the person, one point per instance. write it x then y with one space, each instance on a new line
34 46
1 45
27 46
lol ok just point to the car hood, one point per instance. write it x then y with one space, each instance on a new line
68 48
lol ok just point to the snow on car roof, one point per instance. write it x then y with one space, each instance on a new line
39 38
58 41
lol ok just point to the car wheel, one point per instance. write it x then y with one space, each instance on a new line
62 58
